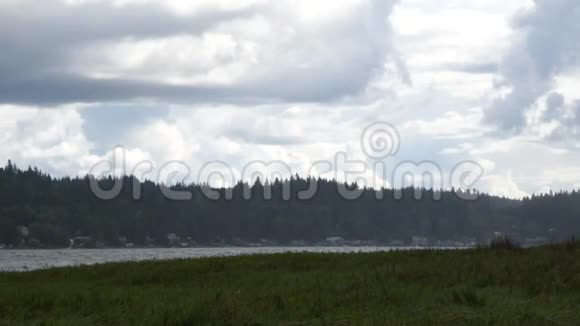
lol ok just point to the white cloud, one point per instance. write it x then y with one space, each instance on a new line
452 46
180 7
257 51
451 125
545 47
182 60
501 185
52 139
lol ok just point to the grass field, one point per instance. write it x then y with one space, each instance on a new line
482 286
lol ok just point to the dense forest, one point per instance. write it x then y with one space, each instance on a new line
37 210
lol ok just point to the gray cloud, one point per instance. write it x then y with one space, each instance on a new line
36 42
550 46
262 138
105 125
567 115
475 68
554 107
53 90
39 47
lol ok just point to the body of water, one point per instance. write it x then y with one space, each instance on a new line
27 260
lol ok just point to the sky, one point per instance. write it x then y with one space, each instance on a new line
295 81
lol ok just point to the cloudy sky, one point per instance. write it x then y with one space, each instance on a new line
491 81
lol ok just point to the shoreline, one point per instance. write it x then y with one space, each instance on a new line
30 260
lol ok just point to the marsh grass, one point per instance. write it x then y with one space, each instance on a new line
504 243
461 287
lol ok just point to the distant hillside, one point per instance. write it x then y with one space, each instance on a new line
38 210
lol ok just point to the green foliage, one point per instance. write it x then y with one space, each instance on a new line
504 243
55 210
468 297
572 244
461 287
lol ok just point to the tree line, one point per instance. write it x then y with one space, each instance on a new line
39 210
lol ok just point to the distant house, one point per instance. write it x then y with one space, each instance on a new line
80 242
471 242
23 230
173 239
535 242
396 243
418 241
267 242
334 240
149 241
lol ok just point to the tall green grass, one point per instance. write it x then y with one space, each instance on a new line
539 286
504 243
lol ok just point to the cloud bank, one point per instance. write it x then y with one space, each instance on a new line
192 51
546 46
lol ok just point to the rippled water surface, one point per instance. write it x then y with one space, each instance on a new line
25 260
